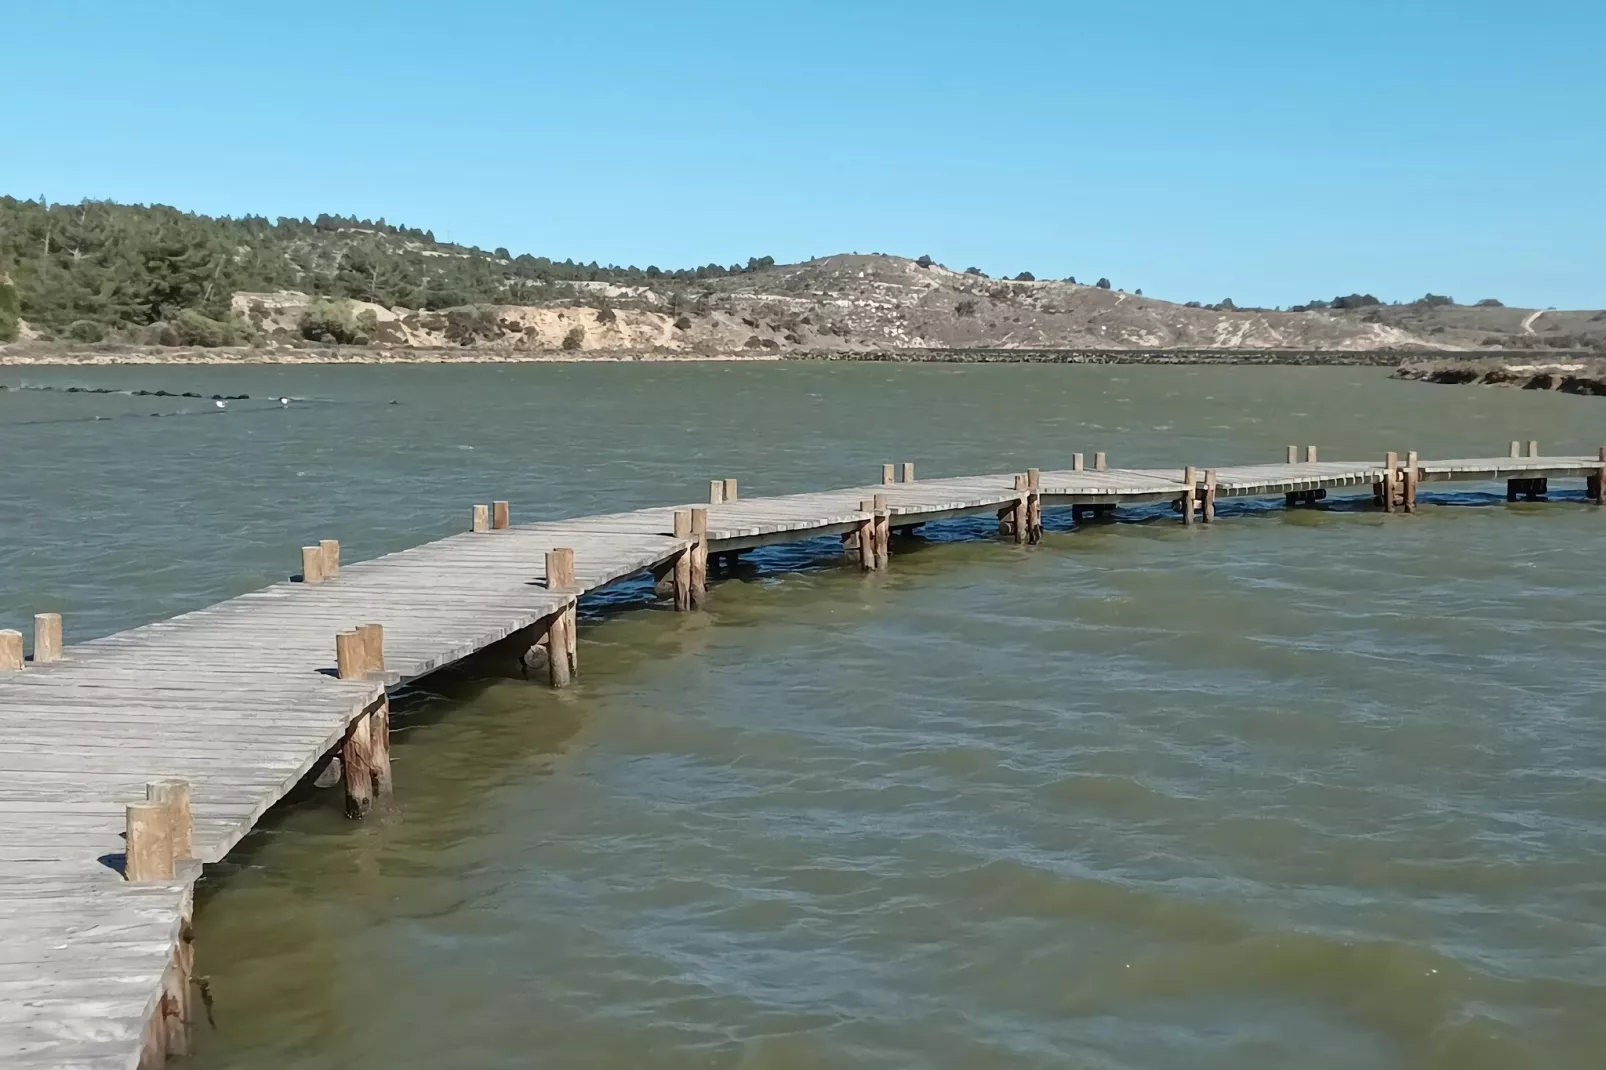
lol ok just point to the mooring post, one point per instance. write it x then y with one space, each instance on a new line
886 475
1310 454
1017 510
1100 462
499 515
482 518
179 824
351 655
379 745
1413 475
1076 462
1533 448
10 650
329 552
908 471
1293 454
682 570
148 846
716 492
1190 477
866 535
311 564
1597 482
1391 480
1210 496
730 491
1516 448
699 557
46 637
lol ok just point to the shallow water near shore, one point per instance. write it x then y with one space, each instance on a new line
1320 788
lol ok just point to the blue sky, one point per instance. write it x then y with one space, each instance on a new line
1270 152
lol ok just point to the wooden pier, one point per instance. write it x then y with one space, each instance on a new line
128 762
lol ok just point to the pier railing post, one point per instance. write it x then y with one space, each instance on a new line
351 655
10 650
1533 448
148 847
499 515
1293 454
482 518
1076 462
1310 454
46 637
1516 448
886 475
311 564
716 492
908 471
179 823
1190 479
731 494
1100 462
329 551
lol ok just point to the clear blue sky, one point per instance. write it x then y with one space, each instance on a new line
1268 151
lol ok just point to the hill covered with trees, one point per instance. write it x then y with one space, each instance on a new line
156 274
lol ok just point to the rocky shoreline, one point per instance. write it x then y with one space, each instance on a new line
1586 375
1454 370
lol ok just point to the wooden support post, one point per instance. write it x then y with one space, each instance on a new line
379 746
1412 475
46 637
1391 480
1597 482
148 850
1514 488
557 649
311 564
1017 514
1293 454
1076 462
1190 477
499 516
1210 496
730 491
356 763
682 570
699 557
482 518
1533 448
1034 506
883 531
716 492
867 550
351 655
10 650
1310 454
908 471
373 647
1100 462
174 1006
329 550
1516 448
561 634
180 824
886 475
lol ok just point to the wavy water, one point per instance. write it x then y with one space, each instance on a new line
1317 789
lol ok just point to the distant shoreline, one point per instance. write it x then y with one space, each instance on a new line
43 355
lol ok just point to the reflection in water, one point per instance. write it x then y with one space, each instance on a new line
1319 788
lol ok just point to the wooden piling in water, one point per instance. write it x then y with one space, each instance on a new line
1034 506
1210 496
1017 510
356 763
482 518
883 531
329 552
561 633
499 516
379 746
699 557
1596 484
1391 481
46 637
1413 473
866 536
1190 477
682 569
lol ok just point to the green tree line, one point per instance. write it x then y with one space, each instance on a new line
153 273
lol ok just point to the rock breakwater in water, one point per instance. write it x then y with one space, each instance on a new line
1569 376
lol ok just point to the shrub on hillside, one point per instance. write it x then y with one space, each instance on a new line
606 315
575 338
473 323
1490 302
965 308
1434 301
86 331
1355 301
683 323
335 322
191 328
10 309
1026 276
1103 284
925 261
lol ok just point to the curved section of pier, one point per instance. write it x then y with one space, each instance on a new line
235 704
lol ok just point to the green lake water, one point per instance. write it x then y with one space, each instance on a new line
1321 788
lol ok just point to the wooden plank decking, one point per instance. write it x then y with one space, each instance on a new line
242 701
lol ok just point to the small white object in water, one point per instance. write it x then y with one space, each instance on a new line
284 401
221 404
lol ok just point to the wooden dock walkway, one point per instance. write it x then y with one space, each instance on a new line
129 761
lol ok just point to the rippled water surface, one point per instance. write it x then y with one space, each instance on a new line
1315 789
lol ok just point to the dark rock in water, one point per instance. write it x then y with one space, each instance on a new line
665 588
165 394
75 390
395 403
534 660
329 775
187 394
